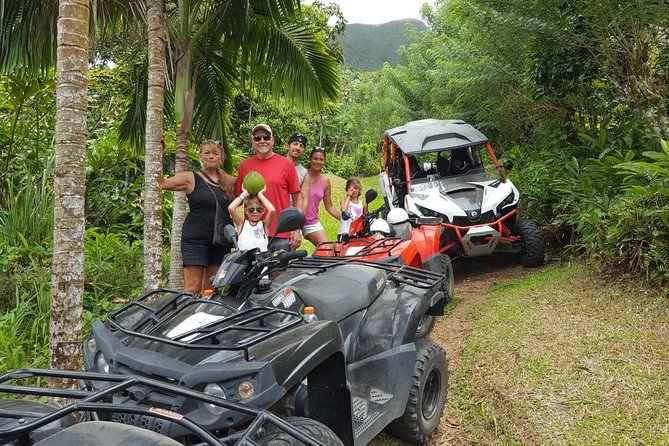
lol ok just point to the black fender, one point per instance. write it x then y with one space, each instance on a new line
392 319
315 351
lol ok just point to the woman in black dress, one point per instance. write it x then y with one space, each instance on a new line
201 258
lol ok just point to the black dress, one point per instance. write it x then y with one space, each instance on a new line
198 229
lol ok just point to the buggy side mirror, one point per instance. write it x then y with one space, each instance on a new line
290 219
370 195
508 165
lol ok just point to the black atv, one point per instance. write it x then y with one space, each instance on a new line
26 422
358 370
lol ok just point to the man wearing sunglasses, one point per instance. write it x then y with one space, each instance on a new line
281 182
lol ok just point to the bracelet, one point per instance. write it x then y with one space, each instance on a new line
241 197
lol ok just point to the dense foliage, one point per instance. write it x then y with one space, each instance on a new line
575 94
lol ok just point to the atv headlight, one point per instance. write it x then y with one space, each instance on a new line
217 391
101 363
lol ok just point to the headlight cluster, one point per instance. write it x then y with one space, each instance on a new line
427 212
245 389
508 200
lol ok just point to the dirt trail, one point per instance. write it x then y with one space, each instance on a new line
472 278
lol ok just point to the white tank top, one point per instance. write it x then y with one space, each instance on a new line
252 236
355 211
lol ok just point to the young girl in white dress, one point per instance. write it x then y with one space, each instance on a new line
352 205
253 229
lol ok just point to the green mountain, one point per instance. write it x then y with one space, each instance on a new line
367 47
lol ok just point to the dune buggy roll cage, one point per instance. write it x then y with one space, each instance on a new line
99 401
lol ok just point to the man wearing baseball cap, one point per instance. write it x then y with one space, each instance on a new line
296 146
280 179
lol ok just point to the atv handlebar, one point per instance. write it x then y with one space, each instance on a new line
288 256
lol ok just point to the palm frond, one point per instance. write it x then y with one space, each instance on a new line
288 60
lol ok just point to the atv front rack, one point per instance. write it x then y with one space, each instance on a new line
397 273
240 330
95 402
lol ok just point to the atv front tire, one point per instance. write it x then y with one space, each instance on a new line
106 433
533 241
276 437
427 396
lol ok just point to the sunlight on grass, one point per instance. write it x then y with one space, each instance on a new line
560 358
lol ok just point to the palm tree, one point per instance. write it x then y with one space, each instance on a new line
34 34
67 280
153 156
215 45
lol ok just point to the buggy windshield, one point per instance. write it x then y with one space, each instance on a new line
446 184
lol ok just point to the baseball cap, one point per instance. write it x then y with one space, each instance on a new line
298 137
262 126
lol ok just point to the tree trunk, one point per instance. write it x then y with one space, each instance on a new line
67 280
185 102
153 157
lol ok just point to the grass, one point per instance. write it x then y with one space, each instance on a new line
562 358
331 225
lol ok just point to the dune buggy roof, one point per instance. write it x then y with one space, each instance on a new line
435 135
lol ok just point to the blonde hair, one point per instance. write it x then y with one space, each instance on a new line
225 181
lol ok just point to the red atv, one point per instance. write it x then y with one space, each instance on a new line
397 238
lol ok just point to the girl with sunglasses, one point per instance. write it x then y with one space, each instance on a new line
316 188
253 229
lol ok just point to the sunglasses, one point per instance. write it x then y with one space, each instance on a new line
215 141
264 137
255 210
318 149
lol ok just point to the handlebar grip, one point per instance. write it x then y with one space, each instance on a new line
293 255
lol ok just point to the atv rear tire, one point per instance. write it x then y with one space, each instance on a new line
427 322
427 396
276 437
448 285
533 241
425 326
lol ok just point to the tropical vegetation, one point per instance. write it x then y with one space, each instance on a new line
575 94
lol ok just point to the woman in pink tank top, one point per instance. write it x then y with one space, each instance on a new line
316 188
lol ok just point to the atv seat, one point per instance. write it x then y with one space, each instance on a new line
341 291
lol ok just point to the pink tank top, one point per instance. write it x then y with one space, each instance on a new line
315 198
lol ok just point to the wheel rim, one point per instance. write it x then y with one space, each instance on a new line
431 393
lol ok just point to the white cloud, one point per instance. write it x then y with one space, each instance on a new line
378 11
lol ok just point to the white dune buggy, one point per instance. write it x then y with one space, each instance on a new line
446 169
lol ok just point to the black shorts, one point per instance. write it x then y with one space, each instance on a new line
199 253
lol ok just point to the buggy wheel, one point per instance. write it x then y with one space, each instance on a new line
427 396
533 242
276 437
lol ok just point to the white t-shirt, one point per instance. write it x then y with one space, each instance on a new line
354 210
252 236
